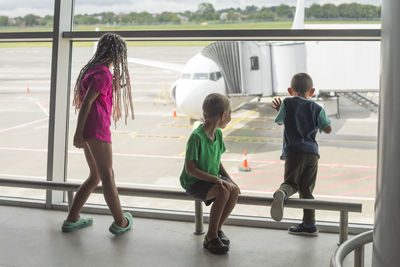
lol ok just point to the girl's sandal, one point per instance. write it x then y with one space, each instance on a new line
72 226
118 230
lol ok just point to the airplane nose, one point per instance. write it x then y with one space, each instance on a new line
189 99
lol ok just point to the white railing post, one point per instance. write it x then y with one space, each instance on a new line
344 226
198 210
359 257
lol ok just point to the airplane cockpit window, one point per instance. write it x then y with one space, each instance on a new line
185 76
214 76
200 76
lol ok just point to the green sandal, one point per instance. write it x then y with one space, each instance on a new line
118 230
72 226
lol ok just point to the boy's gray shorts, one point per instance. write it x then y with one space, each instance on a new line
199 190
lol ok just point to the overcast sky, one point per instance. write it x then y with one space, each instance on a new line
45 7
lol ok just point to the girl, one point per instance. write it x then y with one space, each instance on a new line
98 95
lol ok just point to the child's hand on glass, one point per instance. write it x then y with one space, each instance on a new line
276 103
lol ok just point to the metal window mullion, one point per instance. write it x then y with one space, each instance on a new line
236 35
59 98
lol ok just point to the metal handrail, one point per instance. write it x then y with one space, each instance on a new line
179 194
236 35
206 35
26 36
356 243
343 207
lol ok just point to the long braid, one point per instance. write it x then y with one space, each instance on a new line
111 48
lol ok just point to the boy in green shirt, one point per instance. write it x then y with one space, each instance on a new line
204 177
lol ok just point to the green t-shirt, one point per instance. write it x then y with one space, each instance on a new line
205 153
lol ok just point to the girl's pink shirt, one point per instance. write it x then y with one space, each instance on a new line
98 122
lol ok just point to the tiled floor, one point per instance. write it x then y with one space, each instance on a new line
32 237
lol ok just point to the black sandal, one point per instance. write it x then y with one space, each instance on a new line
215 246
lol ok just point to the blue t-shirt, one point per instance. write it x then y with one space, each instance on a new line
302 118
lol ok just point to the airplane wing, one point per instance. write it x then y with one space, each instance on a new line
156 64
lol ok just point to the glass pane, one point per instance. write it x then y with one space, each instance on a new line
25 94
199 15
26 15
149 151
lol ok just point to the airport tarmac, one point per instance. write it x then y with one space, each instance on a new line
150 149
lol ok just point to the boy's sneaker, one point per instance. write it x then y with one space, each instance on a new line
224 238
215 246
277 205
301 229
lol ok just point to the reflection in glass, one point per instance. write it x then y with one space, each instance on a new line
25 95
149 151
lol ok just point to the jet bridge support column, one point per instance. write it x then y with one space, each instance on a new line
387 204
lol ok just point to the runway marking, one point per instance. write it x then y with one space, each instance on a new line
261 182
172 125
251 139
229 126
346 141
319 188
257 173
273 179
242 139
238 120
22 125
43 107
342 174
357 190
138 135
255 119
316 195
347 165
166 156
154 91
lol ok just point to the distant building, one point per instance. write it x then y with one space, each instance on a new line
223 16
231 15
183 18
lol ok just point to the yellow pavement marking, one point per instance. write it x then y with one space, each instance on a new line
246 139
172 125
229 126
238 120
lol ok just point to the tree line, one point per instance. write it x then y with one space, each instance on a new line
206 12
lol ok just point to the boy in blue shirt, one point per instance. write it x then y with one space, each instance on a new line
204 177
302 118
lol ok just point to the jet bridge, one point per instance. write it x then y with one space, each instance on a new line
257 68
252 68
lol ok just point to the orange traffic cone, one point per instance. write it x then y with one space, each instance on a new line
245 166
174 113
27 89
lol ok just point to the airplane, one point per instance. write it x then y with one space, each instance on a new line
245 70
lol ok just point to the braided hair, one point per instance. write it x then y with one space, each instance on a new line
111 48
